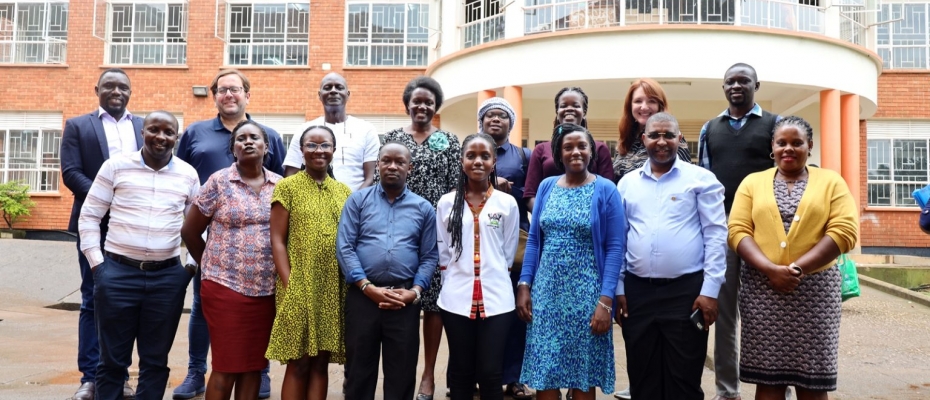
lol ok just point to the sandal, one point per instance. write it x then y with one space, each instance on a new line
518 391
421 396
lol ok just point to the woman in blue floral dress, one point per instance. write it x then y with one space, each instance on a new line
570 273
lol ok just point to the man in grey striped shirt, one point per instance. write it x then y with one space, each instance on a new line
140 282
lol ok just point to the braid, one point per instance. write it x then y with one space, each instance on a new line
584 105
797 122
458 207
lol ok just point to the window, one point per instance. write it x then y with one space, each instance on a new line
147 34
29 149
387 34
897 161
33 32
288 126
903 44
484 22
262 33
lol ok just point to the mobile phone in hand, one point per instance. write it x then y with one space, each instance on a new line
697 318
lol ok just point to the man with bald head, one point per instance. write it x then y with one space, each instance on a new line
357 140
386 247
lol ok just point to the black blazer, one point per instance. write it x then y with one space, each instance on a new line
84 148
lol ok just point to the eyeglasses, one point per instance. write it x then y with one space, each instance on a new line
500 116
314 146
666 135
233 90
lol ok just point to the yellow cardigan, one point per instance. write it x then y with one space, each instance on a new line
826 208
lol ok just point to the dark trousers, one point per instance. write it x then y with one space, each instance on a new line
476 354
198 335
516 339
372 333
665 351
88 347
142 307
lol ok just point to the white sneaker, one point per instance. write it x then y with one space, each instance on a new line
623 394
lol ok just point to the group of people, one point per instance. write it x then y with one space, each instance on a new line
328 251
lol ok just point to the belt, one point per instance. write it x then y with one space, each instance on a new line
144 265
663 281
394 285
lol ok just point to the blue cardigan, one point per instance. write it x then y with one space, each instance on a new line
608 227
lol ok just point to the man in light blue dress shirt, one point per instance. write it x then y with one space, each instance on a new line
674 266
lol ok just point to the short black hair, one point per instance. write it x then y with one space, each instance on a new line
114 71
424 82
303 135
755 76
399 143
232 137
558 136
796 122
171 116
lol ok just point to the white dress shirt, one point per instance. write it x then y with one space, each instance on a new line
147 208
499 227
121 136
357 142
676 225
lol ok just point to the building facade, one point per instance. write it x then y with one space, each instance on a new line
856 69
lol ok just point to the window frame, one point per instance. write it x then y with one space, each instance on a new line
369 45
47 42
165 43
251 44
888 49
894 131
44 172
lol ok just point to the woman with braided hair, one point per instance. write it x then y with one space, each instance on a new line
571 107
478 230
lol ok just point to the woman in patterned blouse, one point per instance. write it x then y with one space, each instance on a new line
238 275
436 165
644 98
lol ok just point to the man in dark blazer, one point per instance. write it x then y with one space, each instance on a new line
88 141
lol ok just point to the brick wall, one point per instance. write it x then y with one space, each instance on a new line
901 95
70 89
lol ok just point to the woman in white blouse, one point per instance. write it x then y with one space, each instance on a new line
478 229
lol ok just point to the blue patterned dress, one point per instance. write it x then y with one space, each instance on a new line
561 351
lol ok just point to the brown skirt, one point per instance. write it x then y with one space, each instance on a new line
240 327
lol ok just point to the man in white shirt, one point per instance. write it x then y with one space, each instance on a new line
674 266
357 142
140 282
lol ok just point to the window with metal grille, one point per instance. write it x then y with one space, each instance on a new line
34 32
146 33
903 44
387 34
267 33
29 149
897 161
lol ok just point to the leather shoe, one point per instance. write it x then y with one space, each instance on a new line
85 392
128 393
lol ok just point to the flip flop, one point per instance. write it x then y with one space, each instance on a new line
421 396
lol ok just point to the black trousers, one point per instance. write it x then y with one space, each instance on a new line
476 354
372 333
665 351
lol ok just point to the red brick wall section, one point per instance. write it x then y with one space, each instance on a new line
70 89
901 95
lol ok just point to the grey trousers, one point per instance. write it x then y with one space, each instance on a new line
726 345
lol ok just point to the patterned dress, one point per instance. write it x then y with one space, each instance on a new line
436 165
561 351
310 313
790 338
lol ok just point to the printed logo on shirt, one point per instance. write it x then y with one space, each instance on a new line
495 220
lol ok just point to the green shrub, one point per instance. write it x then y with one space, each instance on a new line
14 202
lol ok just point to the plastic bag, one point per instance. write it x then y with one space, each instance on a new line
850 285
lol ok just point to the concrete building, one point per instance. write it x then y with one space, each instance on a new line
856 69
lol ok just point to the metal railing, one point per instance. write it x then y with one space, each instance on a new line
482 31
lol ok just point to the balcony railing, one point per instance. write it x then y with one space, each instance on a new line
482 31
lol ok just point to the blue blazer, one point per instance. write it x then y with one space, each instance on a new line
84 148
608 228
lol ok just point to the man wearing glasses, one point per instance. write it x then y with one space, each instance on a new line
205 146
673 269
357 140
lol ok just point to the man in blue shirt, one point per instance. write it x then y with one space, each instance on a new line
674 266
205 146
386 247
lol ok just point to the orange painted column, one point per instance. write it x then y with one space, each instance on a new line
484 95
830 133
849 110
514 96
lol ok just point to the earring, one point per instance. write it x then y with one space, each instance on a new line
808 154
772 155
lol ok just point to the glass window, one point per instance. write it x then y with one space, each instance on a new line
31 157
387 34
263 33
147 34
903 44
33 32
896 168
484 22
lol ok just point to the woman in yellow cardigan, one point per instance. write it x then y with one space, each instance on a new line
789 224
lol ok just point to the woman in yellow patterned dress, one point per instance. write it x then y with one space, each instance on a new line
308 330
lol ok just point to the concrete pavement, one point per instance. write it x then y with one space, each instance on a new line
884 344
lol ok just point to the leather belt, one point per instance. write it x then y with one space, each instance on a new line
144 265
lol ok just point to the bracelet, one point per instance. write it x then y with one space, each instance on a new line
797 268
606 307
416 300
365 285
525 283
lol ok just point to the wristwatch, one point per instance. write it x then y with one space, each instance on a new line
416 300
525 283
